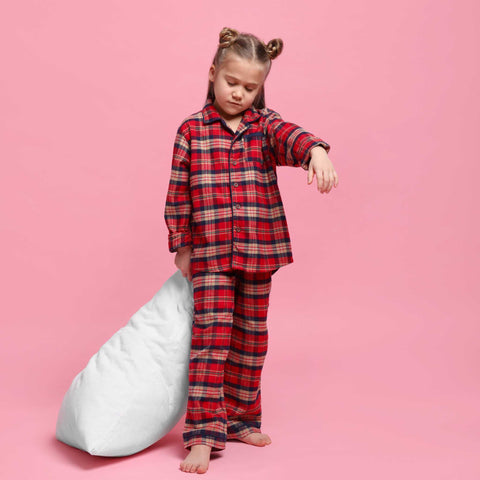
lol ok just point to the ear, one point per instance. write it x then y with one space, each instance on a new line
211 73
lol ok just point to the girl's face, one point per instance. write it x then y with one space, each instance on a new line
236 83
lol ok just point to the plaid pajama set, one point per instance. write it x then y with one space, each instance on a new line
223 201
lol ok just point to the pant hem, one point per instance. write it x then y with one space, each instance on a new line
243 433
215 444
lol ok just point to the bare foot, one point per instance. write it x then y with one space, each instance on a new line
197 460
257 439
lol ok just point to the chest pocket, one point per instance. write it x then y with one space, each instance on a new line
258 150
255 149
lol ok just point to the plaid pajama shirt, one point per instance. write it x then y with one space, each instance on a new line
223 198
223 201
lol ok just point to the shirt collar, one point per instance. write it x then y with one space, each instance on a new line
210 113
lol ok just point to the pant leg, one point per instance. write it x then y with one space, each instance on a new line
248 348
206 418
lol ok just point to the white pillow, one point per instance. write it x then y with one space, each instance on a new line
134 390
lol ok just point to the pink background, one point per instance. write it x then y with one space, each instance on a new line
373 364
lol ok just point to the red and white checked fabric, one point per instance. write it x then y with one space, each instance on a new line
223 198
229 345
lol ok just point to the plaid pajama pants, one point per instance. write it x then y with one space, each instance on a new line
229 344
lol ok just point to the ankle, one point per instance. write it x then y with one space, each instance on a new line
201 447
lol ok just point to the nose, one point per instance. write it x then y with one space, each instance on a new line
236 95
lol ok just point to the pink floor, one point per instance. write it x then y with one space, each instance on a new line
390 407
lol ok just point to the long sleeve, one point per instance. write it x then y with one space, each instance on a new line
178 204
290 144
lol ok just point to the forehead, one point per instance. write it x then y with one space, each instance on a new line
247 71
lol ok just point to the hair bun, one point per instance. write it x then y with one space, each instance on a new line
274 48
227 37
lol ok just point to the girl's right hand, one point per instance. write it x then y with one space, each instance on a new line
182 261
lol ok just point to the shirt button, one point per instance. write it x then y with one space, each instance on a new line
235 247
237 205
234 162
235 184
238 229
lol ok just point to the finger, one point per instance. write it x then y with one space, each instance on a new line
310 174
320 181
325 185
329 182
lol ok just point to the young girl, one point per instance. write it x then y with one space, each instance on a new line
227 224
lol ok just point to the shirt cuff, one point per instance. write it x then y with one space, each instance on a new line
177 240
320 143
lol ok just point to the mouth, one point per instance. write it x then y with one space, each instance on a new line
236 104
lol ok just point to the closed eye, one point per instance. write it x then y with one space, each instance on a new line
248 89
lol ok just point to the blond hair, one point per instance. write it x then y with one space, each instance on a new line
249 47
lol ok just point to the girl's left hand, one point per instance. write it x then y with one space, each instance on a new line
322 167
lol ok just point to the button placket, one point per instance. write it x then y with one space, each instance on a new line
237 153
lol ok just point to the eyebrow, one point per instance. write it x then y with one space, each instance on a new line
253 84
